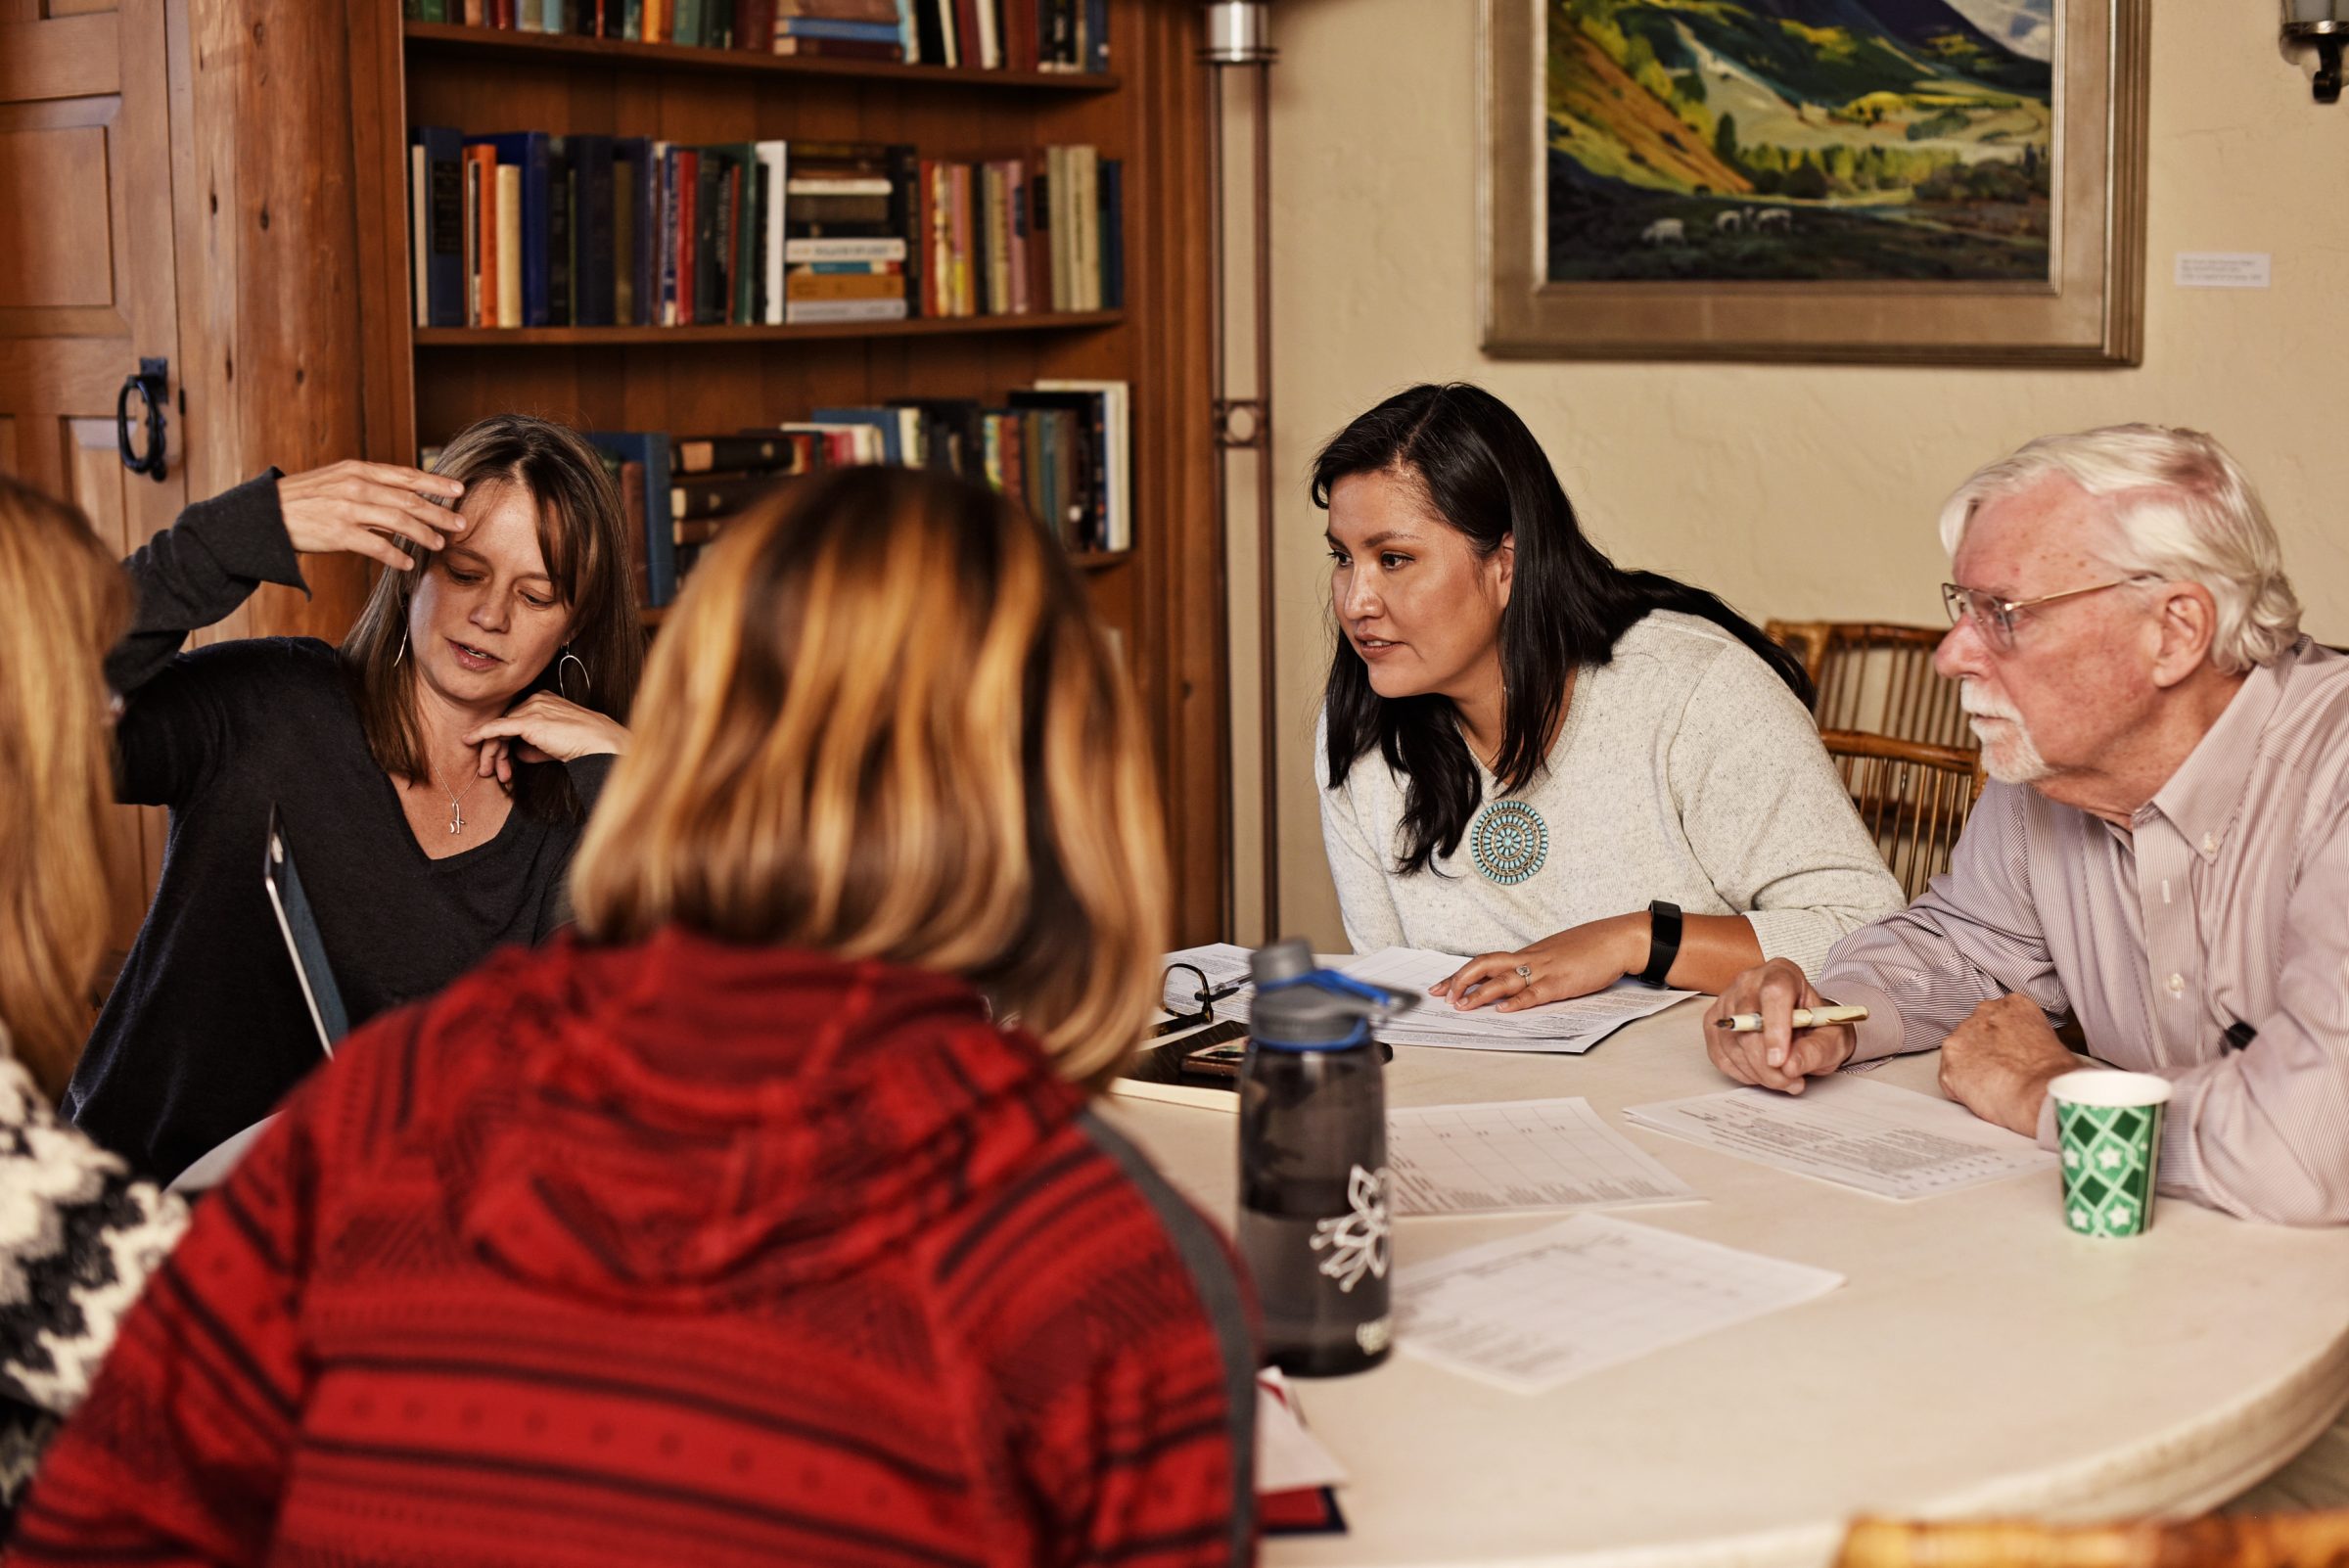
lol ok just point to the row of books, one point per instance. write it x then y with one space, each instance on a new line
528 229
1055 35
1061 449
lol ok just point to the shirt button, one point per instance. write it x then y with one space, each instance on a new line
2176 984
2210 843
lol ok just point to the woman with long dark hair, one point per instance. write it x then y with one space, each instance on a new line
1527 754
434 773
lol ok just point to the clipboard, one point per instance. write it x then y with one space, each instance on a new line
299 928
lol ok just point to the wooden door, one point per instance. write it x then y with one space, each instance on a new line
88 288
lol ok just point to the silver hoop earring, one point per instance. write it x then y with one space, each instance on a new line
569 658
403 648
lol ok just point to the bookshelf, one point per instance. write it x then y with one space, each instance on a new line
1163 599
425 37
921 327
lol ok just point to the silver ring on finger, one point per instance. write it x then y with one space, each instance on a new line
1525 972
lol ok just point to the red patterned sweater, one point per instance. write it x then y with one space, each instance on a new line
674 1254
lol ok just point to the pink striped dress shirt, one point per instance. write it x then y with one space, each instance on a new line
2226 903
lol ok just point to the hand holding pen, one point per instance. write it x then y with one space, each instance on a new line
1791 1034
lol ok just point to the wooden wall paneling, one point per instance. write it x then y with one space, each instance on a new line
50 262
378 140
275 290
455 386
1165 105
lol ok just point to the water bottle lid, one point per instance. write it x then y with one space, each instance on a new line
1300 1006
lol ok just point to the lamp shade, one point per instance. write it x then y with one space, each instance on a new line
2308 11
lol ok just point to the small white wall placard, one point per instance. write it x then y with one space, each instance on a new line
2223 269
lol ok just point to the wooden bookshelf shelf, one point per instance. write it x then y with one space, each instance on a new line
614 337
453 38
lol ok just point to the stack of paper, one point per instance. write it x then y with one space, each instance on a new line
1534 1311
1565 1027
1519 1154
1893 1143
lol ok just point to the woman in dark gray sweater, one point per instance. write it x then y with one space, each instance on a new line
432 774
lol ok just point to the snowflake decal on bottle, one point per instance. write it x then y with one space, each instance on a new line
1357 1241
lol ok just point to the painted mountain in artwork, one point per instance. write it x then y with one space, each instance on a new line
1907 138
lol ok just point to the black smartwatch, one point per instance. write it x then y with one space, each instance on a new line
1663 941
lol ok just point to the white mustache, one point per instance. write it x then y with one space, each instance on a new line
1981 704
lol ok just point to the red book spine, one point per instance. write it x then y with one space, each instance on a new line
755 25
1020 21
966 34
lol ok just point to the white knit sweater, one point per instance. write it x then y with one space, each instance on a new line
1684 770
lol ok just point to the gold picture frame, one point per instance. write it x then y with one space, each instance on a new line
2089 310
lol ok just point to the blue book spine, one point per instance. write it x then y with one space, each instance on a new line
592 294
826 28
445 218
1113 233
1097 33
635 152
651 449
528 151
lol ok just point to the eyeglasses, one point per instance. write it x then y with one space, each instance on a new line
1204 997
1994 616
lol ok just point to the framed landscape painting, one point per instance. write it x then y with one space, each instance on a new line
1952 181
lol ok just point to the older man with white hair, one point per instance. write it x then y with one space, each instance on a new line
2164 852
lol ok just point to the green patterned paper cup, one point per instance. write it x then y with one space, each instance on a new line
2108 1126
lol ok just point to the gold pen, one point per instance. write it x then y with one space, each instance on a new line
1804 1018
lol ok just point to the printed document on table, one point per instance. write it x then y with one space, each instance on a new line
1893 1143
1516 1155
1566 1027
1535 1310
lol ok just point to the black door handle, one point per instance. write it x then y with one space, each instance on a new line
153 385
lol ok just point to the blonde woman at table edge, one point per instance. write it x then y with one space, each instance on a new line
1527 754
740 1226
78 1233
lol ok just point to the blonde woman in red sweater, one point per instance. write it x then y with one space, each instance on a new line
763 1221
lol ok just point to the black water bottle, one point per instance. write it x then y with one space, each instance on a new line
1313 1162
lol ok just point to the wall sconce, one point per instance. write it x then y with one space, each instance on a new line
2324 24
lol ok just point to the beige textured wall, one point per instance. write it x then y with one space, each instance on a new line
1792 491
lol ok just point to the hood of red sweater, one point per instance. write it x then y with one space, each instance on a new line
684 1121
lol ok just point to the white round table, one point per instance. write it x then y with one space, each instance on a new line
1980 1359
